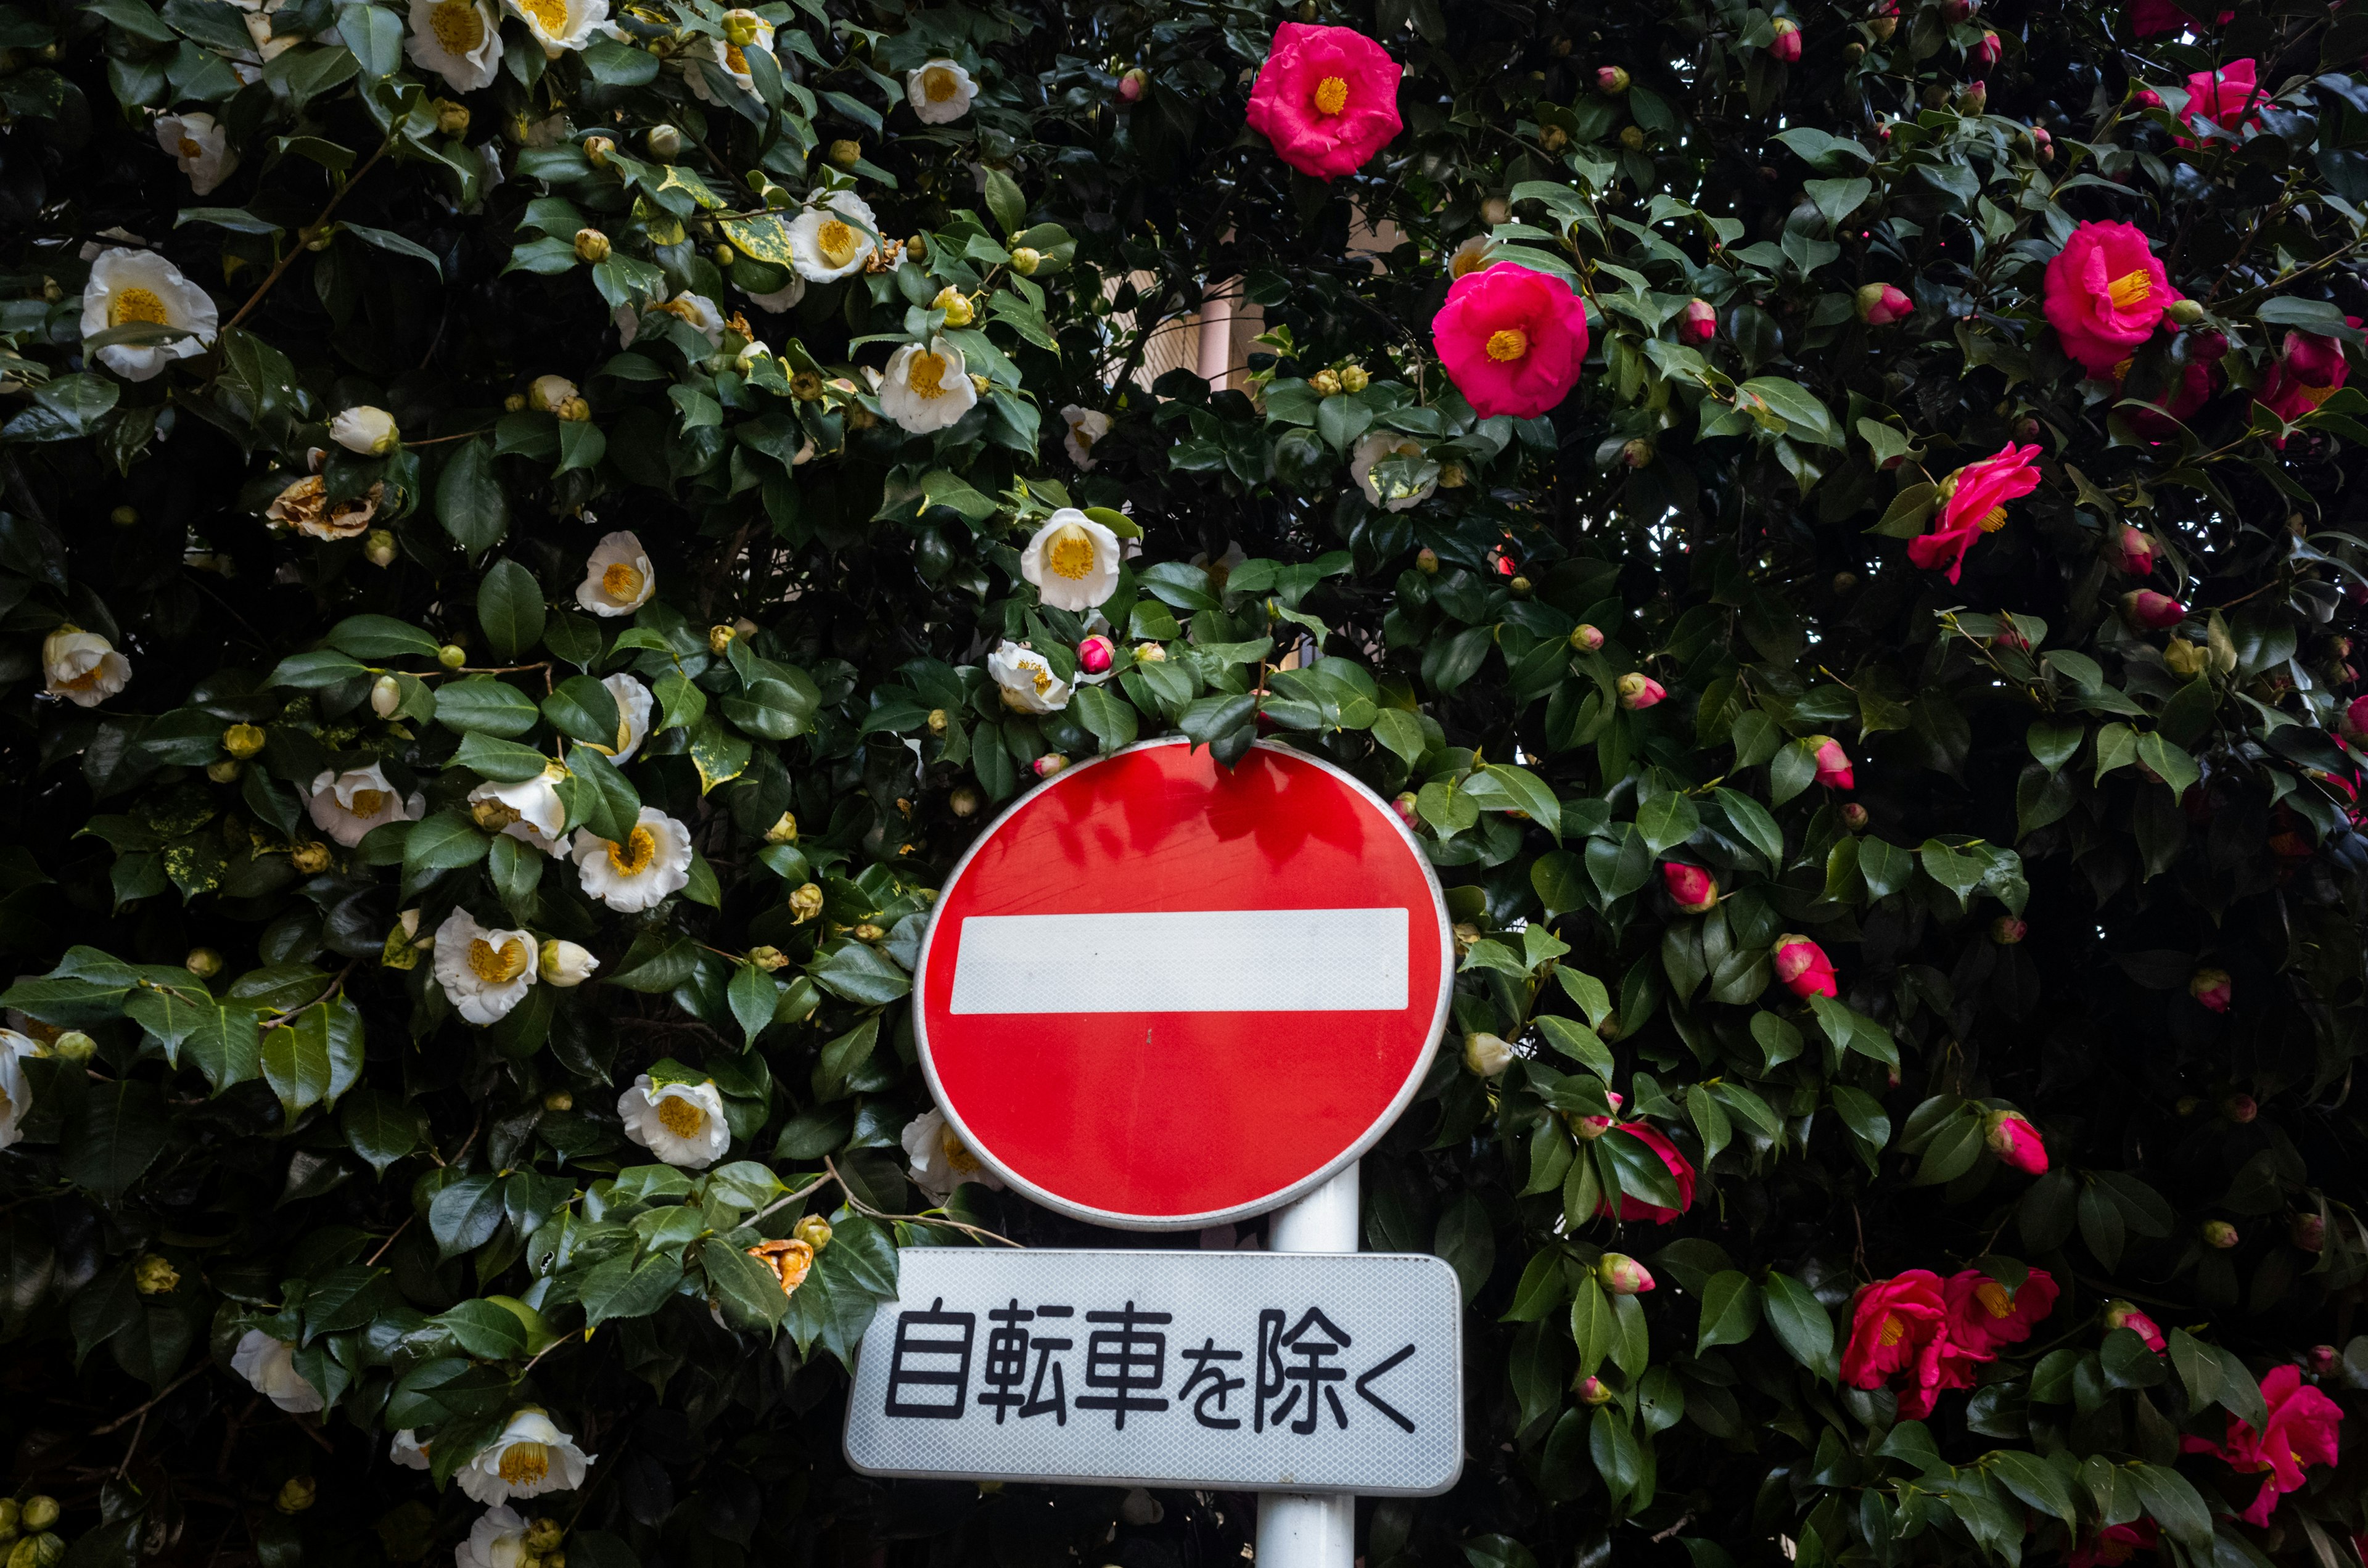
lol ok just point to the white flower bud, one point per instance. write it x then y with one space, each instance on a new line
565 963
367 430
386 696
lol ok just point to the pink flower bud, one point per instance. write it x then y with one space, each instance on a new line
2152 611
2137 551
1093 654
1591 1390
1804 969
1854 817
2007 930
1638 690
2123 1314
2015 1141
2313 361
1051 761
1587 1129
1958 10
1133 86
1833 763
1787 44
1621 1275
1692 888
1612 79
2220 1235
1585 639
1881 304
1404 806
2208 343
2352 722
1984 54
2325 1360
2308 1231
1698 322
2211 987
2240 1108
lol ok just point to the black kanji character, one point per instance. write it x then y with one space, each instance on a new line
1219 1385
1058 1405
1007 1360
1127 1360
933 1352
1305 1340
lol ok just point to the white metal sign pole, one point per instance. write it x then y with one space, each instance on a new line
1299 1529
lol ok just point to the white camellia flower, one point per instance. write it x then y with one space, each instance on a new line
366 431
564 964
927 389
269 1364
496 1541
1073 561
653 864
781 300
633 706
198 146
536 815
129 286
1087 425
346 805
1379 448
461 40
940 91
561 25
531 1457
15 1090
82 667
408 1451
1469 256
1028 682
680 1123
940 1160
730 58
545 394
824 245
618 577
484 972
697 309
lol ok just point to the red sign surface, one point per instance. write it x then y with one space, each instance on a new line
1158 993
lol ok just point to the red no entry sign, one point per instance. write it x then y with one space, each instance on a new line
1159 993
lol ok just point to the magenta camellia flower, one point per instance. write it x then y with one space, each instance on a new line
2226 97
1881 304
1621 1275
2152 611
2146 97
2211 987
1698 322
2301 1432
1983 56
1512 340
1973 503
1094 654
2135 547
2352 722
2104 294
1787 44
1692 888
1803 968
1681 1172
1326 99
2151 17
1894 1324
1639 690
2304 375
2160 422
1985 1315
2313 360
1833 763
2015 1141
2124 1314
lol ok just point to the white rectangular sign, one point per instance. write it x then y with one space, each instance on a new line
1256 1372
1185 960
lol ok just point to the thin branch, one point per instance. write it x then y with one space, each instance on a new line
142 1411
390 1241
865 1208
295 250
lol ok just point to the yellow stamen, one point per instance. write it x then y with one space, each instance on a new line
459 27
837 242
1509 345
957 1155
1043 679
499 966
83 682
925 374
136 304
2131 290
734 60
620 581
551 14
1070 552
1994 520
1893 1331
1331 95
681 1117
2316 395
2121 370
1466 261
523 1464
191 150
632 857
1994 1298
368 803
939 86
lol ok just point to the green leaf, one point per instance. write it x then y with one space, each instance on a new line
112 1135
296 1060
1576 1041
860 973
1590 1323
754 995
505 762
442 842
750 1293
599 797
380 637
1667 821
484 1329
1112 721
583 709
2173 1502
617 1288
486 703
510 609
468 500
380 1127
1800 1323
1730 1311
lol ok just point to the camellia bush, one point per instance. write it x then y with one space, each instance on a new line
532 535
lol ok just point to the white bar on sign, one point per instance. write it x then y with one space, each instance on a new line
1191 960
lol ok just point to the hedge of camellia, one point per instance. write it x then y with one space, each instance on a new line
534 534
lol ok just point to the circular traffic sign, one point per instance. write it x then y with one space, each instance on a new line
1161 994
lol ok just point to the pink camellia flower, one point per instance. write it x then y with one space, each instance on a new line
2104 294
1622 1276
1326 97
1587 1129
1682 1171
1833 763
2223 96
1880 304
2135 547
1698 322
2211 987
1512 339
1895 1322
1984 1314
1786 46
2352 722
1983 56
2152 611
2113 1545
1948 1366
1975 502
1692 888
1803 968
1093 654
1639 690
2015 1141
2313 360
2304 376
2123 1314
2301 1433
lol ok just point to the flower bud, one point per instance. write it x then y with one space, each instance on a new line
964 801
2184 659
1426 560
564 964
378 547
2042 145
1854 817
2220 1234
154 1275
1803 968
1881 304
784 831
243 741
1326 383
1698 322
1587 1129
1553 138
1833 763
1611 79
544 1534
1787 44
2211 987
452 656
956 304
1632 138
595 152
1621 1275
1592 1390
1094 654
1694 890
124 516
1133 85
2324 1360
309 858
452 118
2308 1232
2011 1136
2126 1314
2185 312
386 696
297 1493
1486 1054
663 142
1958 10
1639 691
1636 452
2239 1107
1984 54
1025 260
2135 548
366 431
1051 761
768 959
845 152
2151 611
805 903
1494 211
2146 97
939 722
2008 929
40 1512
203 963
559 1100
1584 639
813 1230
